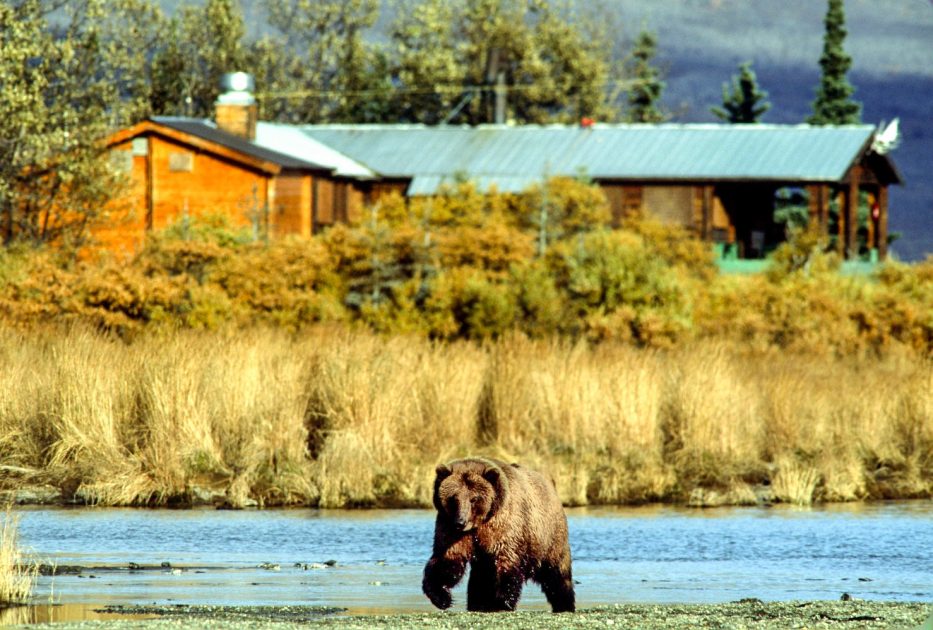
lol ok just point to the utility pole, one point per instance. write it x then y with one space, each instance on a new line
500 98
543 219
495 111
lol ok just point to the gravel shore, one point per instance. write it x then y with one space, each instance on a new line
746 614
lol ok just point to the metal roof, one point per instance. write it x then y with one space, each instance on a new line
512 156
207 130
293 141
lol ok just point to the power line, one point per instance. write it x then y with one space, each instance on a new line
438 89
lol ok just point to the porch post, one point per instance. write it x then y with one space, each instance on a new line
851 210
707 212
841 204
813 205
882 233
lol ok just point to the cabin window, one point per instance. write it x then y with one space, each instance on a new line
181 162
140 147
720 235
669 204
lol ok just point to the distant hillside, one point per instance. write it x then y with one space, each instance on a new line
701 42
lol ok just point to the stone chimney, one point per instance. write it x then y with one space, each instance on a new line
235 110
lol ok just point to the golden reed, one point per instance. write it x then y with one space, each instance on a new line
338 417
17 574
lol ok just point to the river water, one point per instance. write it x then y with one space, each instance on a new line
648 554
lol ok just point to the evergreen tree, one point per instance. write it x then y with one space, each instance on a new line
745 102
645 94
834 104
427 63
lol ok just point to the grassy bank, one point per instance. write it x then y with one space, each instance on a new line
335 417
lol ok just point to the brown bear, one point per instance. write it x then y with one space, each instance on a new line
507 522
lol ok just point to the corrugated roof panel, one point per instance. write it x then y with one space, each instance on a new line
529 153
643 152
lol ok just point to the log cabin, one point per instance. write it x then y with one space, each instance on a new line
189 168
721 181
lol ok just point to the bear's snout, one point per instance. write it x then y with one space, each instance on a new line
459 514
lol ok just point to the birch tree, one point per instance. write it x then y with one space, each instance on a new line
319 66
62 94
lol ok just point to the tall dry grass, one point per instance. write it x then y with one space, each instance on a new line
342 417
591 417
383 413
145 423
17 574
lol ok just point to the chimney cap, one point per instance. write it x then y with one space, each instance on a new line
237 82
236 88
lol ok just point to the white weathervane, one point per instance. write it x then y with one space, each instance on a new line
886 138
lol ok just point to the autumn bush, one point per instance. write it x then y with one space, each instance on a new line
824 312
466 265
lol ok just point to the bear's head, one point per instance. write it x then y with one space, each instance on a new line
469 492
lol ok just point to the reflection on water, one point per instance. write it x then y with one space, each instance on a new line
646 554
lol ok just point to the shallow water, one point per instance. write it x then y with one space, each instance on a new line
649 554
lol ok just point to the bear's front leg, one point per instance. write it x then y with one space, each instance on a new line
446 567
492 588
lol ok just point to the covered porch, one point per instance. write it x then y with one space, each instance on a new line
852 213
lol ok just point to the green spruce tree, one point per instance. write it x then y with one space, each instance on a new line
834 104
743 102
645 94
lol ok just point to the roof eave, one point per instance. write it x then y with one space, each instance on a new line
151 126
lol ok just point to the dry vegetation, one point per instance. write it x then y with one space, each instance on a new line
333 417
17 575
339 370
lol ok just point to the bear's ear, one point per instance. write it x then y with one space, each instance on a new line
442 472
500 483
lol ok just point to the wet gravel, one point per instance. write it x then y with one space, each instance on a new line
746 614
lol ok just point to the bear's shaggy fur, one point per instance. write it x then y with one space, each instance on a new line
507 522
